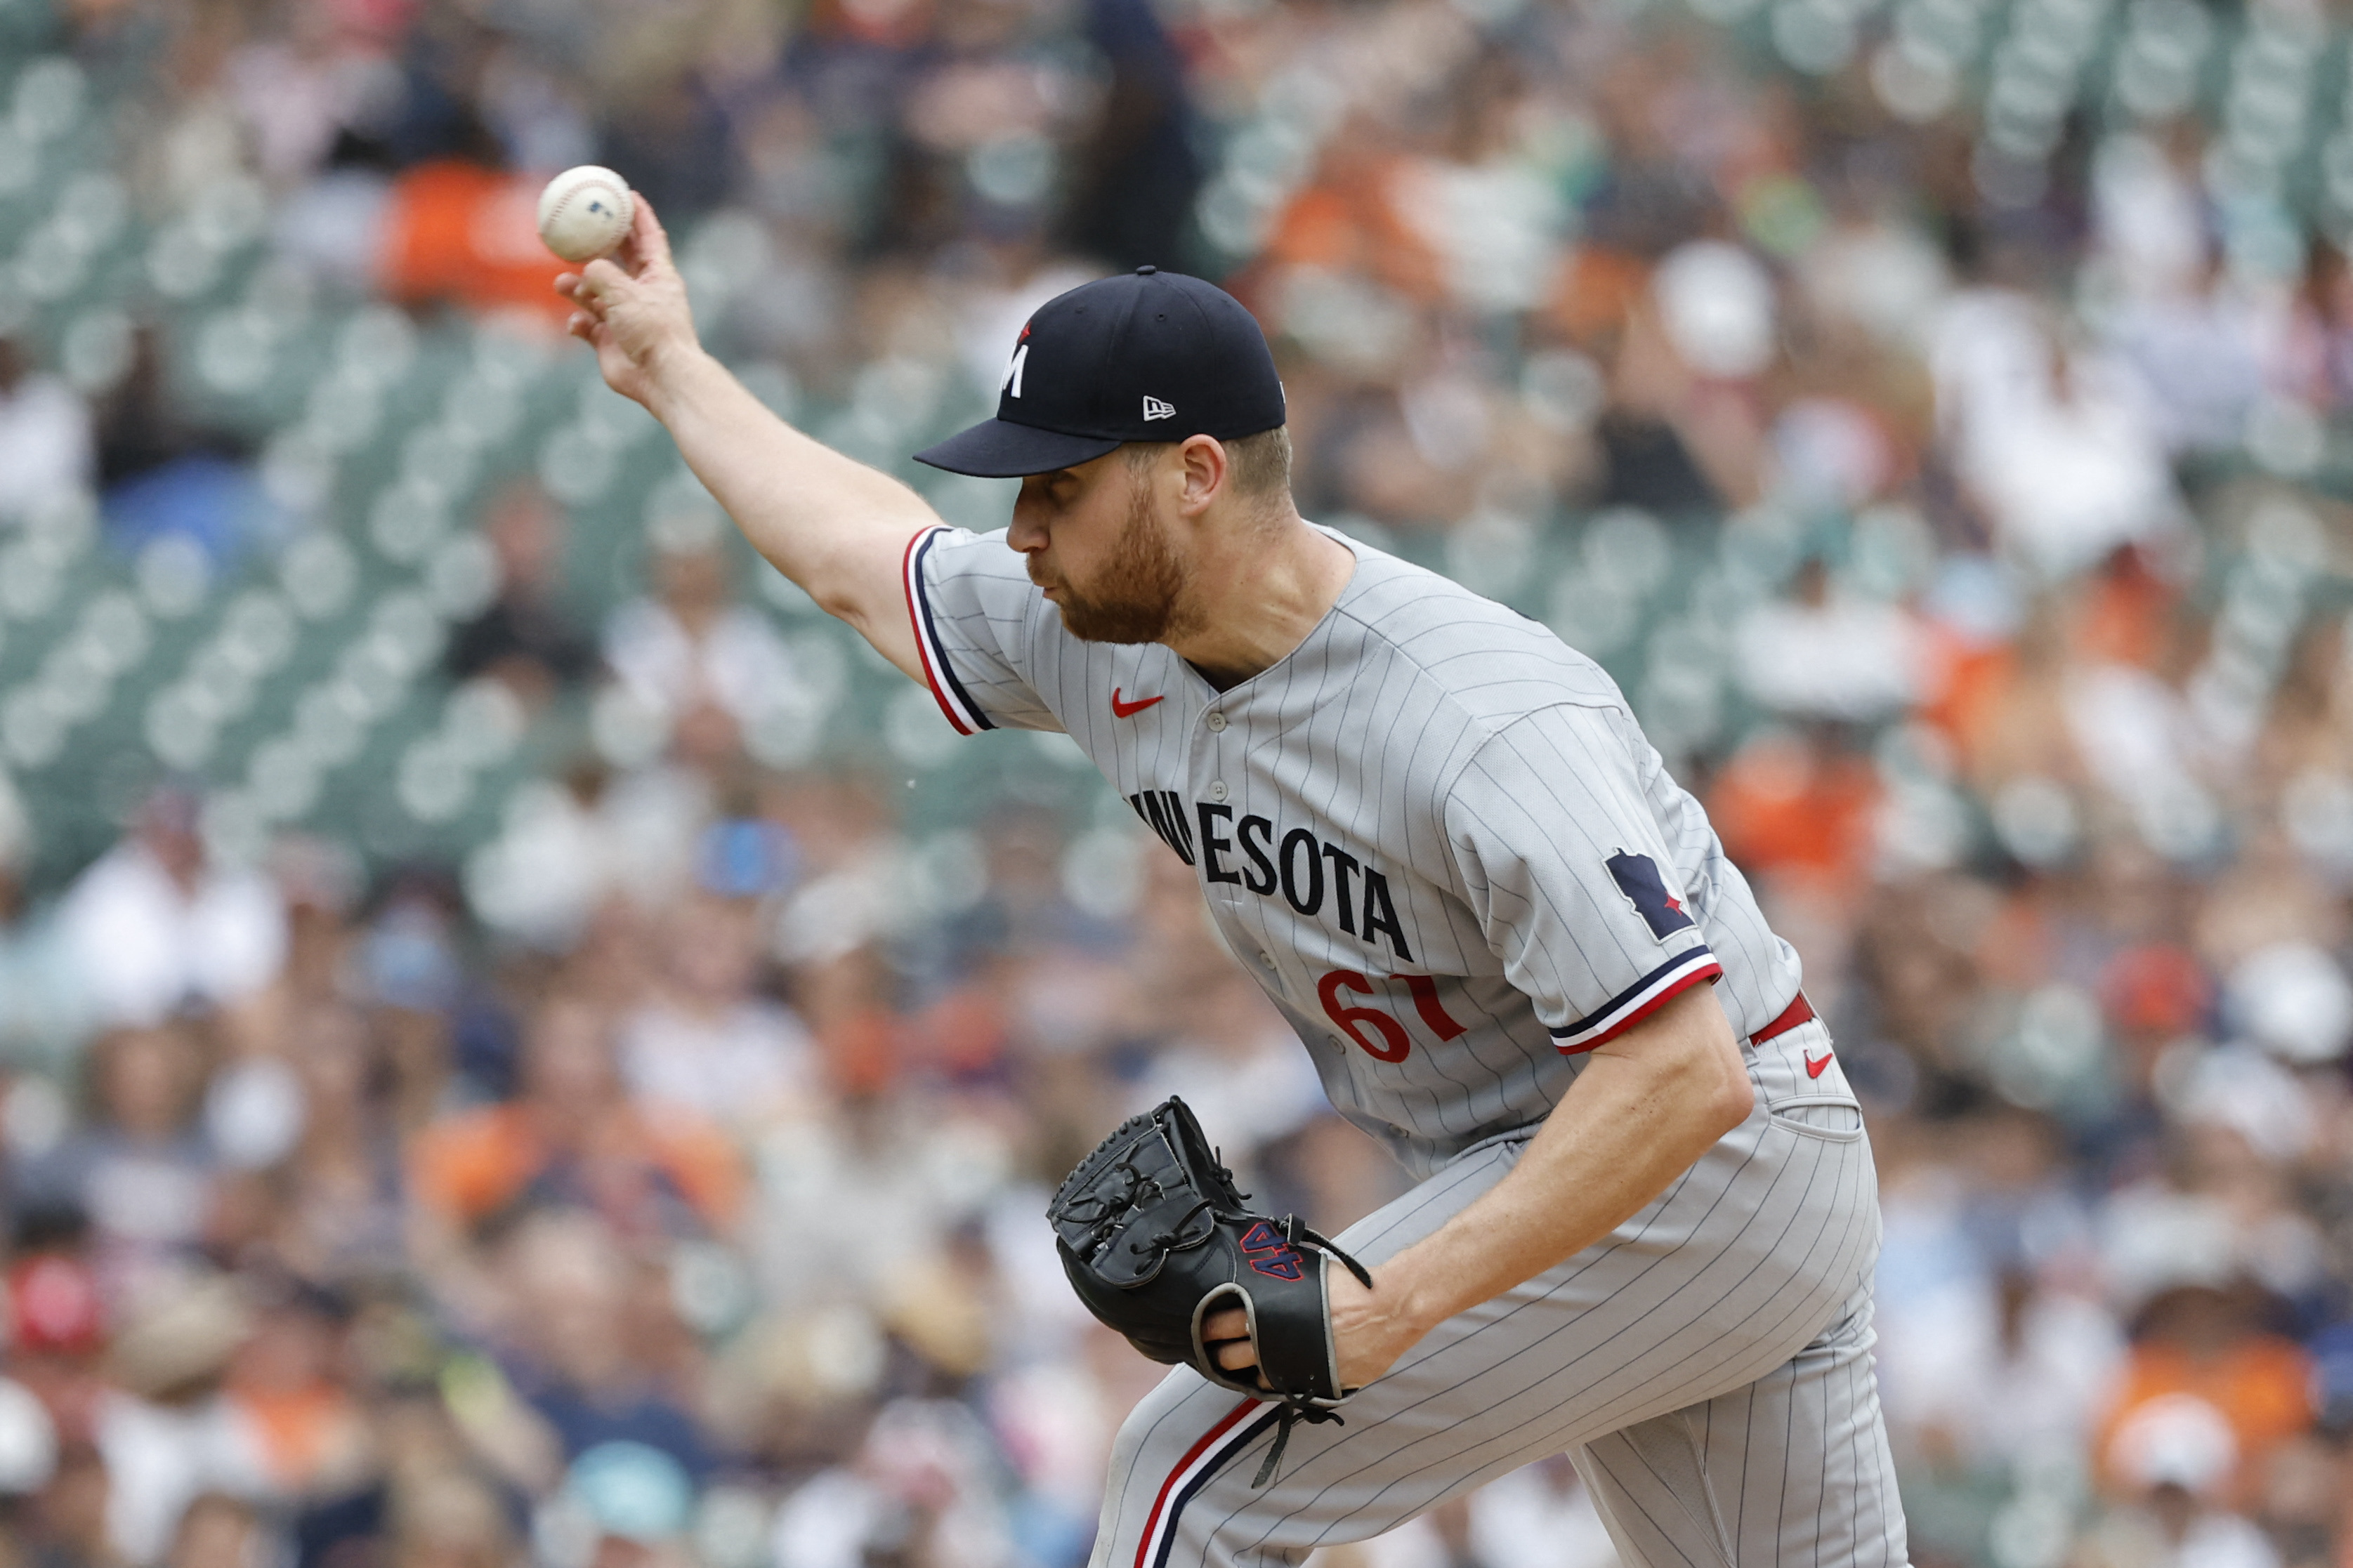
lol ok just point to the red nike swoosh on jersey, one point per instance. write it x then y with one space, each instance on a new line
1814 1066
1130 709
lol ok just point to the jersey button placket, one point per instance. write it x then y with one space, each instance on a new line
1218 791
1217 724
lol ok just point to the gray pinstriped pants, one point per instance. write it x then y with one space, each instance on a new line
1707 1369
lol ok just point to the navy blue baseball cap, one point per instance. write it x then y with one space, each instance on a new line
1145 356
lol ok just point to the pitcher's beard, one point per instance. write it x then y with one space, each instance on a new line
1142 586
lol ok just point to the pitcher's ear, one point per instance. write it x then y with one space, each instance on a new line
1208 470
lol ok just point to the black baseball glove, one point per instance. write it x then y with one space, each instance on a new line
1154 1237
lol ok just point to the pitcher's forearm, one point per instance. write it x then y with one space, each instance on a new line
832 524
1634 1121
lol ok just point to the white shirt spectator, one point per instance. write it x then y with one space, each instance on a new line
145 946
2069 475
1881 273
2131 728
741 1064
2147 219
46 447
160 1459
740 664
1843 659
2061 447
1494 226
2033 1391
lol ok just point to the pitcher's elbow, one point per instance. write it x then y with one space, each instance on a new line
1735 1097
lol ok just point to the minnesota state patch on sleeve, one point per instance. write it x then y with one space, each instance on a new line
1637 877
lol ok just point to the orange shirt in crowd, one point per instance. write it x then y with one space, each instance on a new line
1965 681
303 1431
1779 807
2261 1385
2125 615
1349 220
1594 291
474 1164
464 233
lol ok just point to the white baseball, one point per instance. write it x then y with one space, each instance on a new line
585 212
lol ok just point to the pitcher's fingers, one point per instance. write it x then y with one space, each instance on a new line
648 240
1226 1323
581 325
600 281
1237 1356
567 284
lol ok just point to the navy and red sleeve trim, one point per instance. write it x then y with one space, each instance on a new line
938 673
1637 1001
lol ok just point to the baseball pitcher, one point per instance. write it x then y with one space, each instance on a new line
1646 1219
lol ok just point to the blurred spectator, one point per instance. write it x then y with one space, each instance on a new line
69 1516
430 1501
572 1137
46 444
169 473
692 647
139 1168
142 426
345 1207
1783 804
2196 1344
586 1352
57 1317
214 1530
1822 655
2049 437
28 1447
2172 1459
283 1382
525 639
157 925
706 1042
1138 170
460 231
167 1436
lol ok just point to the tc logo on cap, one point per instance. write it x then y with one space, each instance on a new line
1156 409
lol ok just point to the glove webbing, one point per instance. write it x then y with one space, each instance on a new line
1297 1407
1103 1212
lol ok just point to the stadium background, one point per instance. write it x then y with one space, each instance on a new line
523 1039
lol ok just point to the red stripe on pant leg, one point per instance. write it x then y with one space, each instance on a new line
1143 1542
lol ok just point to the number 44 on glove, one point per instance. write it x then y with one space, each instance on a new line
1154 1239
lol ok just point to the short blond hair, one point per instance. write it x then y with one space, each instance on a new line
1260 464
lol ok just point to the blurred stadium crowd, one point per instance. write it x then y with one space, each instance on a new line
522 1041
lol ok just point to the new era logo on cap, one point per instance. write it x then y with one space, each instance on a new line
1096 350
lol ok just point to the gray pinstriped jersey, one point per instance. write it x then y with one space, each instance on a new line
1433 832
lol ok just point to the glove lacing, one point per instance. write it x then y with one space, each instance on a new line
1102 1212
1298 1407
